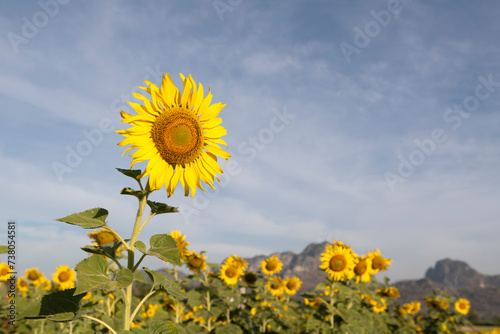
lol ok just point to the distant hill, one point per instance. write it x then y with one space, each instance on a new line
454 277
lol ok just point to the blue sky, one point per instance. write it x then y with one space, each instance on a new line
373 123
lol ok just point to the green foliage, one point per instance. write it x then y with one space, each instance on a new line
108 250
163 246
162 327
57 306
133 173
159 208
92 275
162 282
89 219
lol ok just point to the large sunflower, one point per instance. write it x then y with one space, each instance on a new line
338 262
178 133
230 274
276 286
363 269
378 261
462 306
292 284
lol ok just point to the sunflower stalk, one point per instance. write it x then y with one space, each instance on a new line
127 319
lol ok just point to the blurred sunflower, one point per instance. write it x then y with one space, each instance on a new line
338 262
409 308
4 272
276 286
437 303
64 277
250 278
391 292
237 262
462 306
195 262
378 261
363 269
178 133
271 265
102 237
230 274
181 244
22 286
292 285
34 276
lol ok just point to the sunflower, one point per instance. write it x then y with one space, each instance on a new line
391 292
338 262
437 303
178 133
237 262
271 265
195 262
230 274
34 276
181 244
363 269
4 272
250 278
22 286
64 277
378 261
102 237
409 308
292 284
276 286
378 307
462 306
46 285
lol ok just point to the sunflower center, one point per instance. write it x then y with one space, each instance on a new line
291 286
196 263
360 268
4 271
23 284
338 263
64 276
378 262
33 276
178 136
231 272
105 237
462 306
274 286
271 266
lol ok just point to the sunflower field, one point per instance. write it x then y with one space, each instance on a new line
179 135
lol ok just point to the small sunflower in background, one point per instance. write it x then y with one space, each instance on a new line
181 243
276 286
391 292
34 276
271 265
230 274
363 269
238 262
462 306
338 262
179 133
196 263
64 278
250 278
22 286
378 261
102 237
4 272
292 285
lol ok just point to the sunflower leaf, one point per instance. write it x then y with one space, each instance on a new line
108 250
57 303
133 173
162 282
89 219
228 329
159 208
92 275
132 192
162 327
163 246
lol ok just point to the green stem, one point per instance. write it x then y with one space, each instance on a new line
135 234
138 262
100 321
140 304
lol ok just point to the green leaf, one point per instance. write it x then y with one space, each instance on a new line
108 250
92 275
162 327
132 192
140 277
133 173
93 218
57 303
4 249
163 246
162 282
228 329
123 331
159 208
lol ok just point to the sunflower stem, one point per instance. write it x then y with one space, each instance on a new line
135 234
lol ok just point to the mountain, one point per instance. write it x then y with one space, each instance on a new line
454 277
